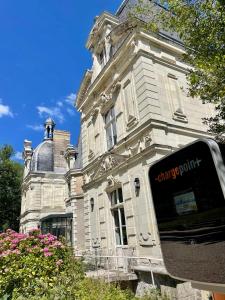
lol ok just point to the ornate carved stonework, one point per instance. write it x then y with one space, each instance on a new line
108 162
105 102
96 242
115 87
135 149
145 239
88 177
94 113
147 139
141 144
112 183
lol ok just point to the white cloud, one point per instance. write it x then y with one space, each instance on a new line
53 112
71 99
36 127
5 110
70 111
59 103
18 155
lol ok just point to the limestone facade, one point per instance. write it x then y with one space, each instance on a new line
44 187
134 110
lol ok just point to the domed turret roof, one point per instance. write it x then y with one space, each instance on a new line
50 121
43 157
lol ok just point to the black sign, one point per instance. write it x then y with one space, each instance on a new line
188 194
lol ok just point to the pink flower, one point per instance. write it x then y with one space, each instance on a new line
13 246
59 262
48 254
15 241
45 249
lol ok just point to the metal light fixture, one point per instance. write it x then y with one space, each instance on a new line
137 186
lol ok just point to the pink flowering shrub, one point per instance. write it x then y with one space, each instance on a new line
29 260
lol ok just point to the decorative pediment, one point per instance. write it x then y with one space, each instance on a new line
108 162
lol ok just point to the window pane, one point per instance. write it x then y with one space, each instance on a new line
109 137
118 237
114 132
124 231
123 221
120 194
116 218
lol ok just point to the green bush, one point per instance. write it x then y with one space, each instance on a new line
29 261
39 267
154 294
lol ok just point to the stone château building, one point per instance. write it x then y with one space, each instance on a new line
134 110
45 187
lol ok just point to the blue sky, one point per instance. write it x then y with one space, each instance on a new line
42 61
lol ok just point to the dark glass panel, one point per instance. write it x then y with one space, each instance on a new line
190 211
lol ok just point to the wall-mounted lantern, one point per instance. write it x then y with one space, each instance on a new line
137 186
92 203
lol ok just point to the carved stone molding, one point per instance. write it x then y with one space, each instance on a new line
106 163
91 154
132 121
145 239
135 149
147 140
88 177
112 184
106 101
178 115
141 144
94 113
96 242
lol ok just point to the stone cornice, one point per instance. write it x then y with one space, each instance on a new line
73 172
140 139
29 212
101 21
83 87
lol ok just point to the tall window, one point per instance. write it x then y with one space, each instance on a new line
119 216
110 127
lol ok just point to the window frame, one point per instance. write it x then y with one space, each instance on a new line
110 124
117 208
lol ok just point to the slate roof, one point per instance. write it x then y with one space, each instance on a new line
124 9
43 157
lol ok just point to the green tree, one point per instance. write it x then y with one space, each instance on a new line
10 189
201 27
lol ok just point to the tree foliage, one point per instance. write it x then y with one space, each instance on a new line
201 26
10 189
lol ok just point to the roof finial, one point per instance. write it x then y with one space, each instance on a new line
49 129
